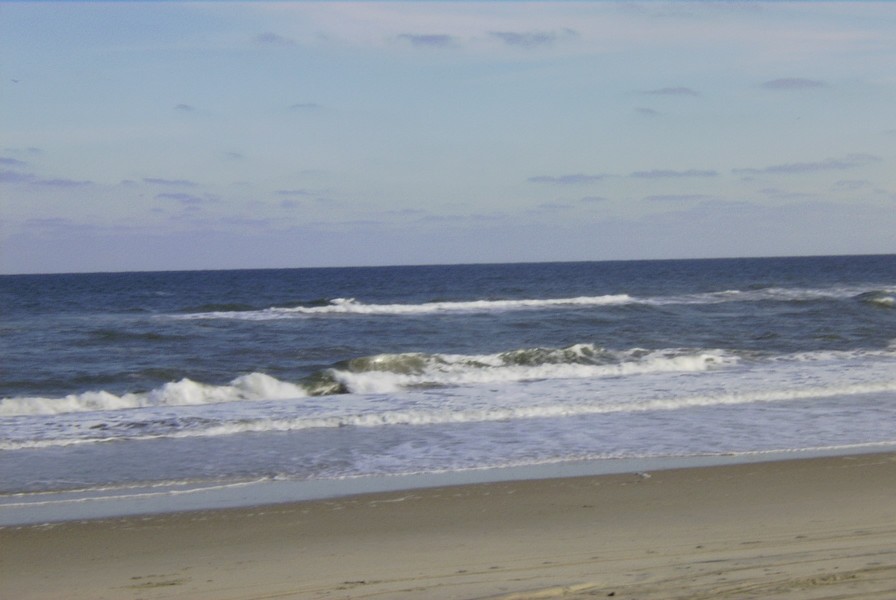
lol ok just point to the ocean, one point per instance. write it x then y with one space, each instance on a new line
124 385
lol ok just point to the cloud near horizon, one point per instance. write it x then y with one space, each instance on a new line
187 199
672 91
793 83
574 179
676 197
172 182
850 161
429 40
665 174
269 38
533 39
32 179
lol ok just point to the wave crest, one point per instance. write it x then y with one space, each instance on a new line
254 386
877 295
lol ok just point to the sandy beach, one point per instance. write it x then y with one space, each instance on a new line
802 529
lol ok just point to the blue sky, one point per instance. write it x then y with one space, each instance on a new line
236 135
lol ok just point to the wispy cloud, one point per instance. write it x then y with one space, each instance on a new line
7 176
63 183
779 194
850 185
48 223
187 199
269 38
647 112
185 107
305 106
429 40
850 161
793 83
532 39
676 197
574 179
173 182
672 91
12 162
29 150
552 206
665 174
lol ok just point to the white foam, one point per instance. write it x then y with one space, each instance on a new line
254 386
351 306
391 373
451 370
508 401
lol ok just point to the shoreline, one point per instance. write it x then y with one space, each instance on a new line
39 508
804 528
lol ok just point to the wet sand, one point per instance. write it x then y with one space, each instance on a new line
802 529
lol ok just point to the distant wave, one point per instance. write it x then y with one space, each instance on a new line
879 298
351 306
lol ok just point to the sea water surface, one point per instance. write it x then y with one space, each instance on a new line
166 382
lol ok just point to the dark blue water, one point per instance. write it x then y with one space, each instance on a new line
65 334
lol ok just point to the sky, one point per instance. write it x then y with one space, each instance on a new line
212 135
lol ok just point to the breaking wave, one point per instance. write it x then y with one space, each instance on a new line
254 386
384 373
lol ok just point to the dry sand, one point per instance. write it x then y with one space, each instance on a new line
802 529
